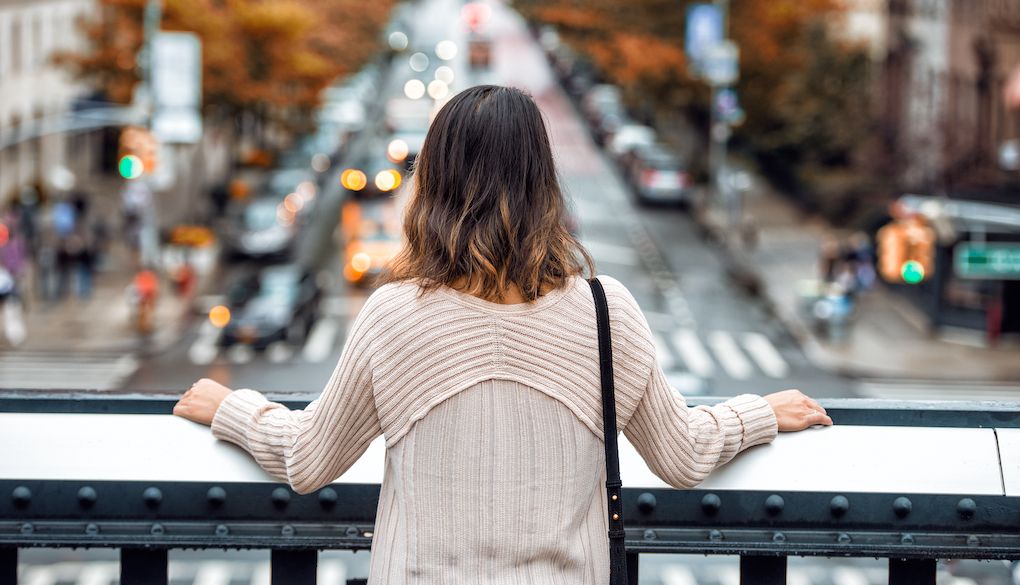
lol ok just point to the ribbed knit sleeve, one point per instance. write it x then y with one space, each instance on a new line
312 447
681 445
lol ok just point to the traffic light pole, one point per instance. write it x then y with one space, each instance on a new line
149 237
719 133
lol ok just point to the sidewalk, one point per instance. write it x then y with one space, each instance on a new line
887 337
104 322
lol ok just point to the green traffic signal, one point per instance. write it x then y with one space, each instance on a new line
912 272
130 167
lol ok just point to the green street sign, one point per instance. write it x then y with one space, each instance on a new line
991 261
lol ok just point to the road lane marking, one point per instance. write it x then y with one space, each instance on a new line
99 573
612 253
205 347
729 356
214 573
761 350
677 575
319 345
693 352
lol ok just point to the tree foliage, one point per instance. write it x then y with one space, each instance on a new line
257 55
805 92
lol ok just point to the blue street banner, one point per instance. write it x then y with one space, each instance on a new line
704 29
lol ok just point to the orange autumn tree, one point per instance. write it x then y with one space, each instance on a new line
805 93
269 58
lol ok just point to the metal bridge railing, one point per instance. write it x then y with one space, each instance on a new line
910 482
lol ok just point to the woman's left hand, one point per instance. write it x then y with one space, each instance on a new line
201 401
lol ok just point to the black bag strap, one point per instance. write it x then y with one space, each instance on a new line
614 493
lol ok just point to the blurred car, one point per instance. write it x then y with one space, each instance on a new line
657 175
603 107
264 227
374 176
278 303
372 237
628 138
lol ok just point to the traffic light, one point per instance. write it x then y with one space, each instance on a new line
906 251
138 152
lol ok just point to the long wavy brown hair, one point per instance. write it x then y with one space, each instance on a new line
486 211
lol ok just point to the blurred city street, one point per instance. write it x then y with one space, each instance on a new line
250 260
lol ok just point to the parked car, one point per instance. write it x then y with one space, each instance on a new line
277 303
628 138
658 176
374 176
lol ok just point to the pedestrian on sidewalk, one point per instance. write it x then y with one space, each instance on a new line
479 363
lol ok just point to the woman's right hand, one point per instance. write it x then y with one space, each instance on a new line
796 411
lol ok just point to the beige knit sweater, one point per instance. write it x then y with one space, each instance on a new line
492 418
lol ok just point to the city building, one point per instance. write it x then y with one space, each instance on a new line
36 95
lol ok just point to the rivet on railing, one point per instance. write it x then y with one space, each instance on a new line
902 506
87 497
22 496
216 496
646 503
779 538
839 506
27 528
281 497
710 504
650 535
91 529
966 508
715 535
774 505
973 540
287 530
152 496
328 498
844 538
352 532
222 530
157 530
907 539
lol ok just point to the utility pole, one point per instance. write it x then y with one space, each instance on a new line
149 237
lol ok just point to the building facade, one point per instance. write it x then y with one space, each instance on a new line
36 93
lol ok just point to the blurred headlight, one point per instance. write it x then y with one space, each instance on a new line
353 179
361 262
387 180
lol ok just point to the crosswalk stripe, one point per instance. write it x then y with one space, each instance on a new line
99 573
765 354
693 352
678 575
934 390
65 371
320 341
798 577
204 349
662 353
848 576
262 575
728 354
331 573
39 576
214 573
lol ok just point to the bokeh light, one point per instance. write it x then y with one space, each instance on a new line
398 41
219 316
387 180
353 179
414 89
320 162
444 74
438 89
397 150
446 50
419 61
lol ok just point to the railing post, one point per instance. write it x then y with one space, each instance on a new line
140 566
632 568
294 567
911 571
762 570
8 566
